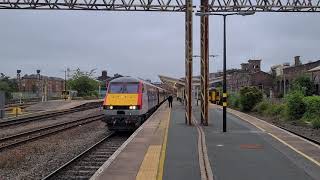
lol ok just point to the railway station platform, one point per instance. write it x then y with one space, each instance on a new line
51 106
166 148
58 105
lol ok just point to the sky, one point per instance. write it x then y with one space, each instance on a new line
146 44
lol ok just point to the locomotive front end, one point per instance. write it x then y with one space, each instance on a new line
122 105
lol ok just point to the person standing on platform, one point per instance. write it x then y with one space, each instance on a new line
170 98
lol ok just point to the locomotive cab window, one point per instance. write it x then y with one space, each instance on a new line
124 88
132 88
116 88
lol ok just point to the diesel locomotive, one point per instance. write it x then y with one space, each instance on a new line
129 102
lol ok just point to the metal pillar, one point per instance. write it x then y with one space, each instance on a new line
188 62
204 29
224 95
19 79
2 103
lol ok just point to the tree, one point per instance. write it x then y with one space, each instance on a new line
8 85
84 83
4 86
304 85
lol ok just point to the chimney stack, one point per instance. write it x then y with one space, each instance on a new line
104 73
245 66
297 61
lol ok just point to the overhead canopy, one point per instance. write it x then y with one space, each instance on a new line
175 82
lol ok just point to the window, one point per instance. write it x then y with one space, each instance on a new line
124 88
116 88
131 88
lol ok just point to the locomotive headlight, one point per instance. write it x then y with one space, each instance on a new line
107 107
132 107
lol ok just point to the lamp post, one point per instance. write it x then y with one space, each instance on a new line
225 58
38 78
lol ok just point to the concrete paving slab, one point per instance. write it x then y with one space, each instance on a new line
181 161
245 152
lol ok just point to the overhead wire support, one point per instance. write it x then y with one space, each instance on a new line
96 5
264 5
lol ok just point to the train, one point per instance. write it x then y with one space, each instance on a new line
215 96
129 102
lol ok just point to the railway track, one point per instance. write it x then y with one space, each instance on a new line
44 116
22 105
21 138
297 134
89 161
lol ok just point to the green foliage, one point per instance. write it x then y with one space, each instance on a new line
8 85
84 83
303 84
249 97
276 109
268 108
312 104
295 105
262 107
312 113
315 122
4 86
234 100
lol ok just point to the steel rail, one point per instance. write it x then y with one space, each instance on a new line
13 140
22 105
74 165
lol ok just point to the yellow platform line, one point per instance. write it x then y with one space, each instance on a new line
164 148
153 162
149 168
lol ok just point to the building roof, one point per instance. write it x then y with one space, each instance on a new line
35 76
300 65
254 60
314 69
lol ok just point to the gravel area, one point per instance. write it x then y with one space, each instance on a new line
46 122
297 127
37 159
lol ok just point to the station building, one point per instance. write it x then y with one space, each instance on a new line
250 74
285 74
36 84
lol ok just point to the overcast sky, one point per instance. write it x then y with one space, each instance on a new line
145 44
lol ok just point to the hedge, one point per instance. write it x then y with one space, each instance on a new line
295 105
249 97
312 107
